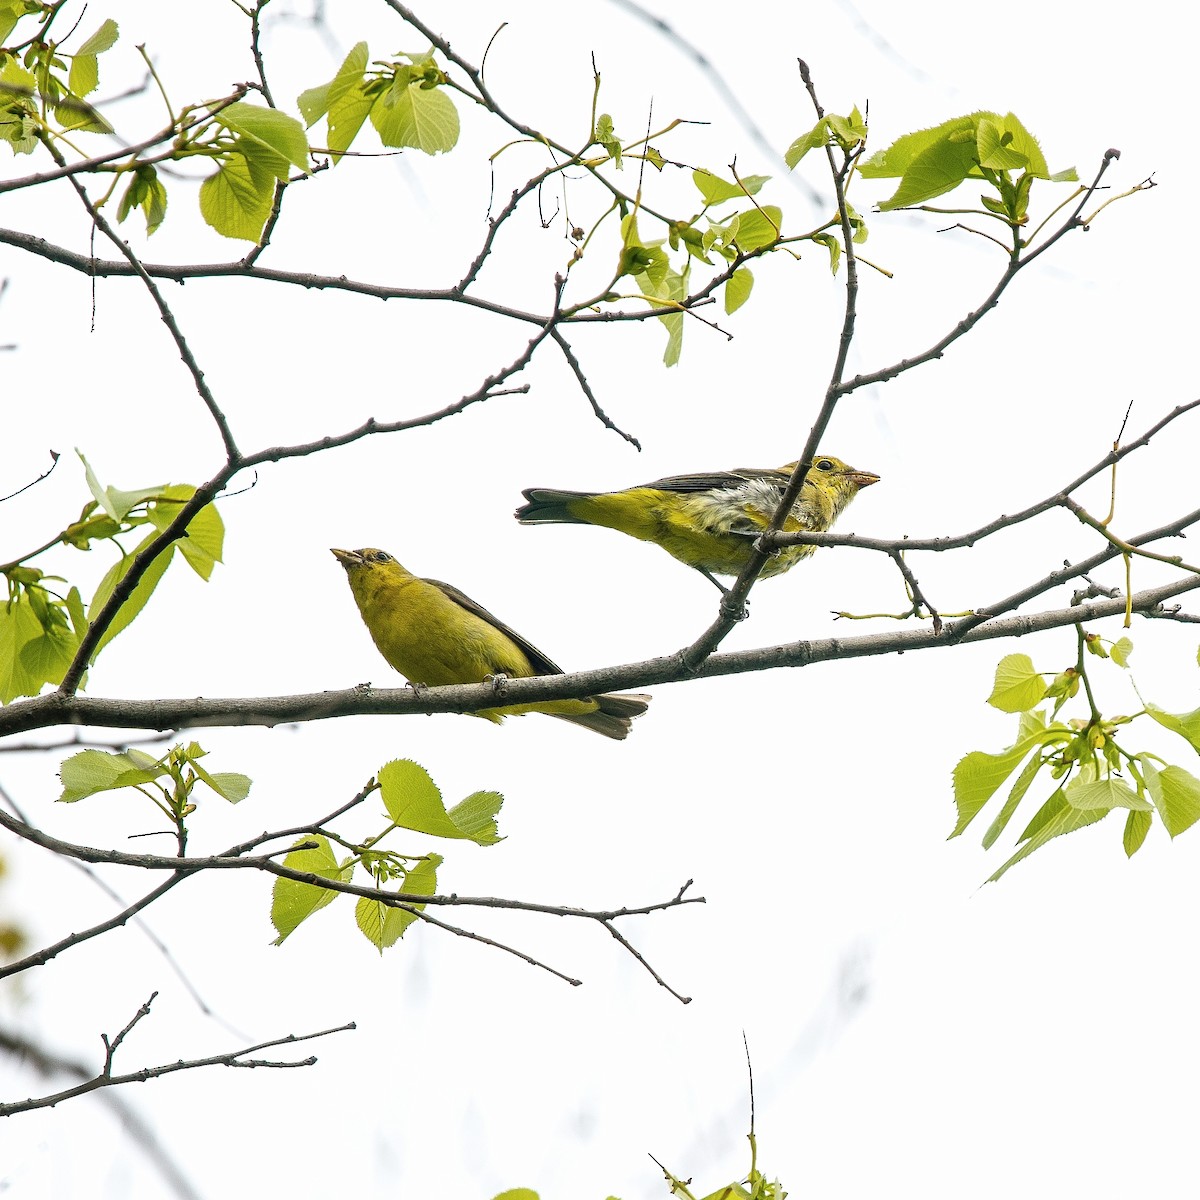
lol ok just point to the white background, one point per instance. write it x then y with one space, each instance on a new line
911 1031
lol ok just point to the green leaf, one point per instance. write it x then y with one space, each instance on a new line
316 102
716 190
92 771
279 136
1013 142
939 170
899 157
384 924
413 801
11 11
18 95
141 593
79 621
1137 825
978 775
815 137
346 116
19 627
293 902
145 191
476 817
410 115
205 538
1052 820
229 785
1018 687
105 38
1015 796
237 200
994 146
933 161
737 289
84 76
831 243
675 287
1176 795
1085 793
1187 725
47 657
849 131
114 501
758 227
1121 650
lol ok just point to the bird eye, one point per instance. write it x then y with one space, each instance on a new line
380 556
824 465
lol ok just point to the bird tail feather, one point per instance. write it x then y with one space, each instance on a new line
614 715
548 506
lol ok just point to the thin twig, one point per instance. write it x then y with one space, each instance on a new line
235 1058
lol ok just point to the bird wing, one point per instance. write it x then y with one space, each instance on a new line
707 482
537 660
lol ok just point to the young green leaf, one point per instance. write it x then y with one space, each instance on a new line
978 775
1187 725
115 502
236 201
1122 648
47 657
1176 795
204 542
229 785
384 924
816 136
278 138
1085 793
316 102
1137 825
413 801
411 115
292 901
19 627
1052 820
476 817
84 76
758 227
145 191
92 771
716 190
141 593
1018 687
11 11
737 290
1015 795
833 245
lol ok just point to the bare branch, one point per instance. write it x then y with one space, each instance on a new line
1015 263
48 1063
54 457
235 1058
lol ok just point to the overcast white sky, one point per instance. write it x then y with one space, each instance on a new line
910 1030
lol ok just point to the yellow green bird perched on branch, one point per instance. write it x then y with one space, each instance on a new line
434 635
710 521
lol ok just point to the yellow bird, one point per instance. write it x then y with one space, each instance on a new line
710 521
434 635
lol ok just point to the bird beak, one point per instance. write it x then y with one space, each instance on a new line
348 558
861 478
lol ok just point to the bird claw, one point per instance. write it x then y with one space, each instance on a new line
499 682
